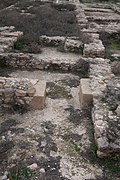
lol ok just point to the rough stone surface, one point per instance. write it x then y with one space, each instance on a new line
85 93
49 59
22 92
52 41
38 100
103 84
95 49
8 36
72 45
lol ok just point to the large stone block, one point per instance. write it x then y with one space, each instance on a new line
95 49
85 93
38 100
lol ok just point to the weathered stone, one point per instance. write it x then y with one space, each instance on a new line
12 34
85 93
101 154
116 67
47 60
118 110
8 92
20 93
1 85
103 144
31 91
8 100
72 45
95 49
38 100
33 166
52 41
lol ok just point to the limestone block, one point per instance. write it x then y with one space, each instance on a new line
38 100
95 49
116 67
72 45
52 40
85 93
118 110
12 34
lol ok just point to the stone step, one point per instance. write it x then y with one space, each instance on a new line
85 93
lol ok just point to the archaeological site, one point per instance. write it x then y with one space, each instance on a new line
59 89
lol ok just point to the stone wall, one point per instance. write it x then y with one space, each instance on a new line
44 62
102 115
8 36
105 87
22 92
68 44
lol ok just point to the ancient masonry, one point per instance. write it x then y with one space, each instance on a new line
93 90
24 92
106 123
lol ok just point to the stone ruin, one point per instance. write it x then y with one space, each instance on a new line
15 91
97 91
106 122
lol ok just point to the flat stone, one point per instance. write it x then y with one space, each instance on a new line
118 110
38 100
85 92
33 166
12 34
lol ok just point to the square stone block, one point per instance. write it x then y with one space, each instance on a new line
38 100
86 96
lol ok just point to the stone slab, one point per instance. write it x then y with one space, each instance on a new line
38 100
85 93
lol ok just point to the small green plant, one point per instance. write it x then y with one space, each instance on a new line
18 45
59 92
2 63
114 45
23 174
20 108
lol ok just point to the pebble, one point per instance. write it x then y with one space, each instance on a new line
42 170
4 177
33 166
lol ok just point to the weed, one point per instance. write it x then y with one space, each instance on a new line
58 91
2 63
111 43
24 174
18 45
19 108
